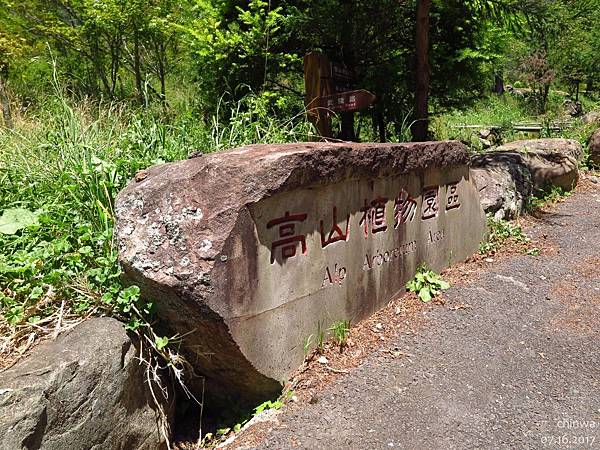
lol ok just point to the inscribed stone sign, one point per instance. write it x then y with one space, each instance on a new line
254 249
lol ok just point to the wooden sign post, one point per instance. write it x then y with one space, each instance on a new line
317 82
330 89
349 101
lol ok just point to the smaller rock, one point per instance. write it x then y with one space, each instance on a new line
485 143
594 148
485 133
503 181
85 390
591 117
550 161
573 108
323 360
552 170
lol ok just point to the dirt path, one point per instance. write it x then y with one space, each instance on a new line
520 368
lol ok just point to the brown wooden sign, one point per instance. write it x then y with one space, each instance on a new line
330 88
348 101
343 79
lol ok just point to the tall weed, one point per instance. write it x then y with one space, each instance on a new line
66 163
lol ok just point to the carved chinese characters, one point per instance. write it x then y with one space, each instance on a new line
430 202
405 208
371 220
335 233
452 198
373 216
288 238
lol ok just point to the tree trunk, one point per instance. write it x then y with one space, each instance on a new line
97 63
136 67
381 124
546 91
347 133
6 115
498 84
160 56
420 126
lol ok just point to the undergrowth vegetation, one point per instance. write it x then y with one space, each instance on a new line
426 284
498 115
500 231
60 171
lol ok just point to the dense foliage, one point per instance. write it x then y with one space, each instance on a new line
94 90
224 49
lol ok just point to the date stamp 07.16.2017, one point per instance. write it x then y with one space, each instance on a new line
572 433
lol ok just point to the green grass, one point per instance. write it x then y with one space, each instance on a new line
500 231
339 331
548 196
64 165
504 111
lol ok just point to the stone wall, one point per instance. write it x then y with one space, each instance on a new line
252 250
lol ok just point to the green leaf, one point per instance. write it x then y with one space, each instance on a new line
161 342
425 295
15 219
14 314
443 284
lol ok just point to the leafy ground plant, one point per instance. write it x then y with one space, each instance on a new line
547 197
212 440
426 284
500 231
340 330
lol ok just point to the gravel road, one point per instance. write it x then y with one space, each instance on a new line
519 369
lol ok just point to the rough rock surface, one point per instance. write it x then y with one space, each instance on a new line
591 117
551 162
85 390
503 181
197 237
567 147
594 148
510 361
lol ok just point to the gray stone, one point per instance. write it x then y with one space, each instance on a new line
485 143
85 390
552 170
593 117
551 162
249 252
484 133
504 183
594 148
573 108
549 146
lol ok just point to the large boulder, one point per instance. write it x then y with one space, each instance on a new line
504 183
85 390
250 252
551 162
594 148
548 146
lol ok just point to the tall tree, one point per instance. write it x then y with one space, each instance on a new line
421 122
